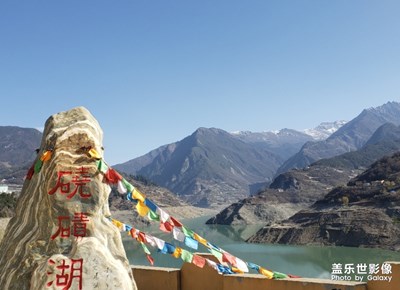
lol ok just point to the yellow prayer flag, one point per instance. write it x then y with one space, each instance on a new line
266 273
136 194
236 270
46 156
118 224
200 239
142 209
94 154
177 253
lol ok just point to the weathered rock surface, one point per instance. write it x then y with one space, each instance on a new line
60 237
364 213
352 227
259 209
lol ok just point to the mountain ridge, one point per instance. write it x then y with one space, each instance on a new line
299 188
208 163
351 136
171 163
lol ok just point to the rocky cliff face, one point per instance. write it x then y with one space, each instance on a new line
364 213
351 227
266 207
289 192
60 237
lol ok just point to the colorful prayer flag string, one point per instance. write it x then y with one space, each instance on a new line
145 207
168 248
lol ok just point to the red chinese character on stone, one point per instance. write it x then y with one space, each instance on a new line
80 178
62 231
79 221
62 279
67 273
78 226
63 186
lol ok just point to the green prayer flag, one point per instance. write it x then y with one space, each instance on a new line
187 232
216 254
101 166
153 216
278 275
146 250
129 187
38 166
187 256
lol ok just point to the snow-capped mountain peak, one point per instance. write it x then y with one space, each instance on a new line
324 130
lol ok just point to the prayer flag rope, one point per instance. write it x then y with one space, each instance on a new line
169 224
177 252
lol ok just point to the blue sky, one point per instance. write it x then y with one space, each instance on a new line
154 71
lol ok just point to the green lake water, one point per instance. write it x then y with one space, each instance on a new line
305 261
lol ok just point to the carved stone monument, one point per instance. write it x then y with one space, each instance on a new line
61 237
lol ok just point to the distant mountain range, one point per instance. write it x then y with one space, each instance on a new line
208 168
350 137
385 141
325 129
17 150
214 168
283 143
297 189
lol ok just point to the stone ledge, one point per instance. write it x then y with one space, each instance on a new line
152 268
154 278
190 277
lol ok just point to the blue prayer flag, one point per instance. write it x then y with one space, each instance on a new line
150 205
192 243
253 266
224 270
168 248
129 197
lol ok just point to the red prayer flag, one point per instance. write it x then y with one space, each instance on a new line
199 261
226 257
141 237
293 276
30 172
175 222
133 233
112 176
166 227
150 259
